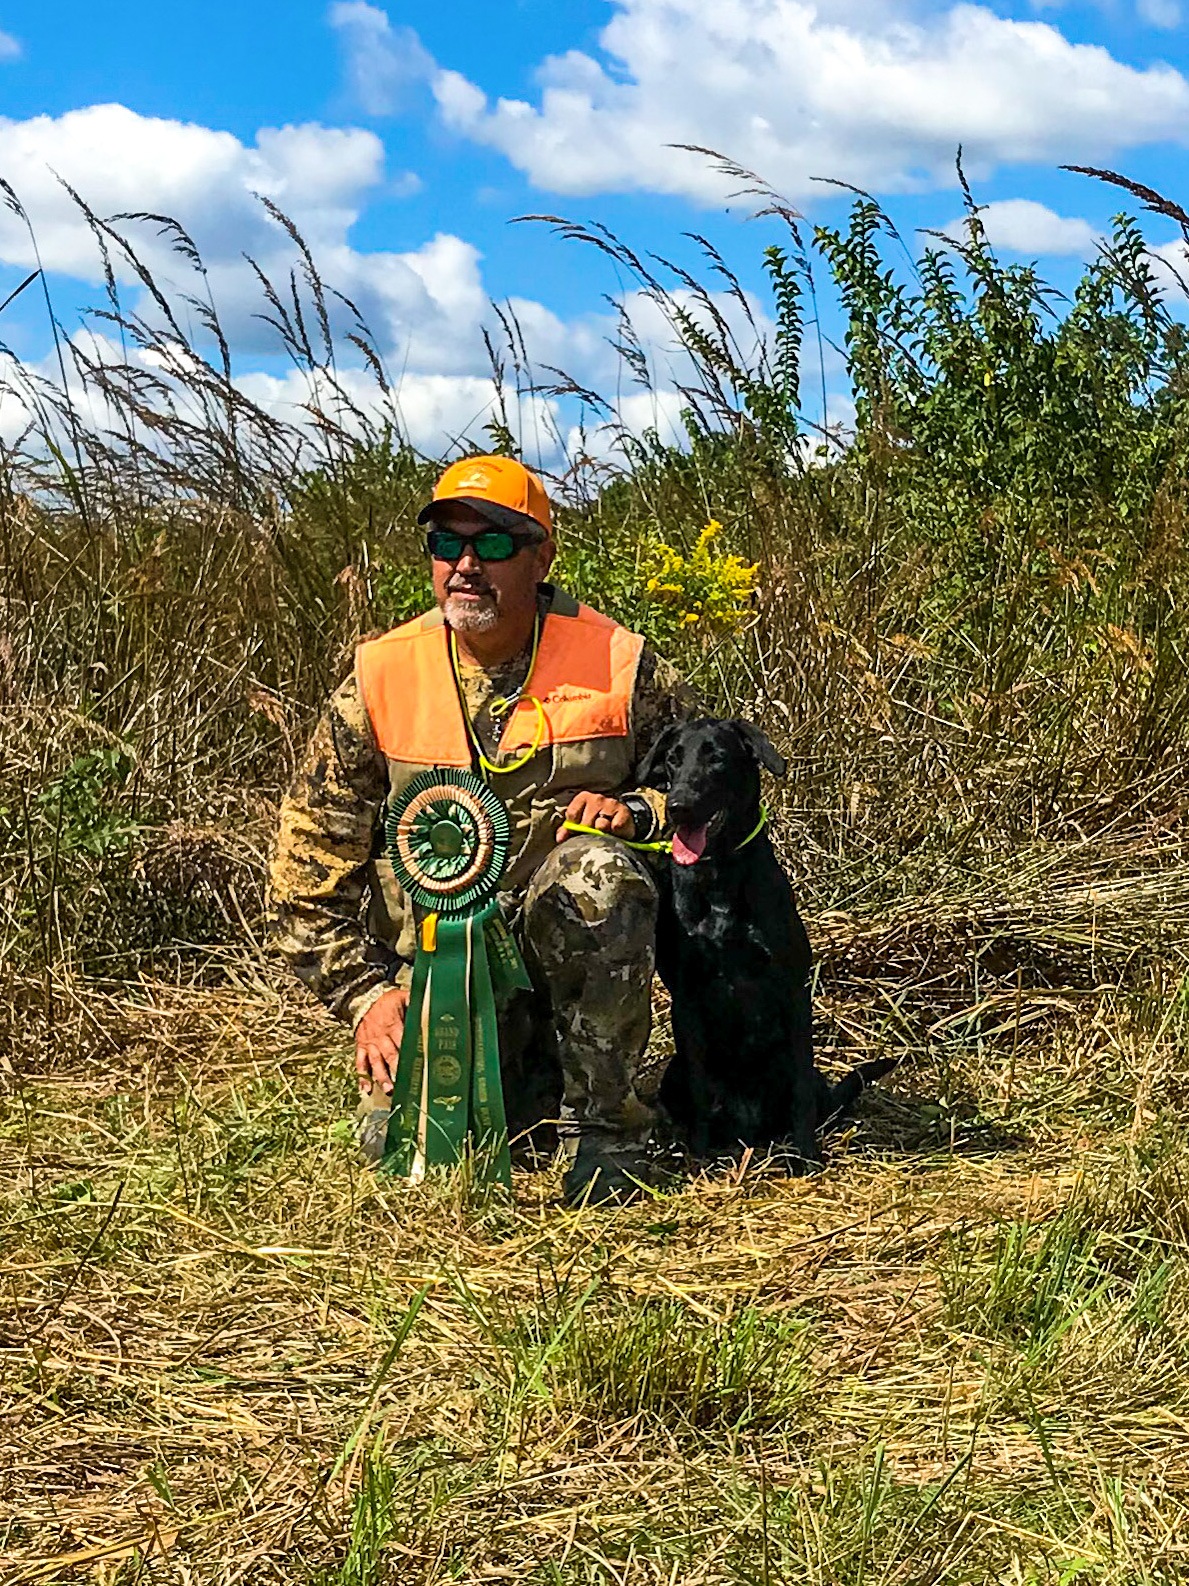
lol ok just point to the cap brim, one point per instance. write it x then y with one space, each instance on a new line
502 517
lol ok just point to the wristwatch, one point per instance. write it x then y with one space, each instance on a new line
643 815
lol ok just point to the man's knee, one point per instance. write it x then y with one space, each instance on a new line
590 937
592 887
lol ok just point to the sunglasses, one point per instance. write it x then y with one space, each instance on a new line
489 545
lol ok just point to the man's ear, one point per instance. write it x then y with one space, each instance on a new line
761 748
545 552
653 770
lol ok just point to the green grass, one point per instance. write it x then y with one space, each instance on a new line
589 1355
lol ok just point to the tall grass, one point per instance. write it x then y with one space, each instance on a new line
968 635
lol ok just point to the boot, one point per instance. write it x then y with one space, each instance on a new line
371 1129
602 1176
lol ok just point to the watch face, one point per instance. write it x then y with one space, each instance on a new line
642 813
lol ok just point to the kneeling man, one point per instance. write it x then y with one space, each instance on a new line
555 706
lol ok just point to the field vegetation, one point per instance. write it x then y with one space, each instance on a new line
230 1354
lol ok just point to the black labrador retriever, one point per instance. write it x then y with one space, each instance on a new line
734 956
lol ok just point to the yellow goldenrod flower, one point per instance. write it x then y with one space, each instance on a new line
701 587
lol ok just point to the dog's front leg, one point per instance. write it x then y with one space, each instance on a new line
688 1092
704 1101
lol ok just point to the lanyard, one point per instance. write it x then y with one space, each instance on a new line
501 708
594 831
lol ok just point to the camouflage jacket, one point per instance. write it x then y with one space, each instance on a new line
328 912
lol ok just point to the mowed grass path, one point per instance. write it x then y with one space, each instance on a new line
958 1355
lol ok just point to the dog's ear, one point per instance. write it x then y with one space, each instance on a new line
761 748
654 770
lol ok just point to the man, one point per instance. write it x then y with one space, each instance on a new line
556 706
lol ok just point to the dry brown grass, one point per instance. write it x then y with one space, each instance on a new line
203 1290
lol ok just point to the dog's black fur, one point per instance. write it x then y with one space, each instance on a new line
733 953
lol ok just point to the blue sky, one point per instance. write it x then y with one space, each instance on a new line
404 141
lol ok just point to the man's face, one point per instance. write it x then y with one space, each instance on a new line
481 597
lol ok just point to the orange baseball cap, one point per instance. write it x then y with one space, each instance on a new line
504 491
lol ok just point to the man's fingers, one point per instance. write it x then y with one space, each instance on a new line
600 814
375 1067
595 809
576 812
380 1071
377 1056
622 823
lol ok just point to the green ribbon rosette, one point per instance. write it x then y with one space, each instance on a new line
447 837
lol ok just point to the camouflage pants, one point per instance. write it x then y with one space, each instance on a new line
570 1049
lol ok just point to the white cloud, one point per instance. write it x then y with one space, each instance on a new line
638 412
435 412
10 47
383 64
426 306
868 93
120 161
1021 225
1171 265
1159 13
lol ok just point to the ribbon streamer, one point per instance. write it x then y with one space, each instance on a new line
447 838
448 1085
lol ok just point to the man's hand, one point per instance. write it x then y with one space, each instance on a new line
604 814
377 1040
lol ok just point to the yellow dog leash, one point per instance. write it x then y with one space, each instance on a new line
662 848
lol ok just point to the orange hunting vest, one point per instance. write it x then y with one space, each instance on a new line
584 676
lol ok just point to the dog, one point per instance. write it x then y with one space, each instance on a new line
734 955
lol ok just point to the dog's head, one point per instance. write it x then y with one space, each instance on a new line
710 773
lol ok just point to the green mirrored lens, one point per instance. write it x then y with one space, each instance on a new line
445 546
489 545
494 545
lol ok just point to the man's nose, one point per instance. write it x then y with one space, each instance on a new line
469 559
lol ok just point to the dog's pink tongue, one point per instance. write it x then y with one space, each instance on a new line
688 844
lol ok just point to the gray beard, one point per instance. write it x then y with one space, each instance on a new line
464 617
